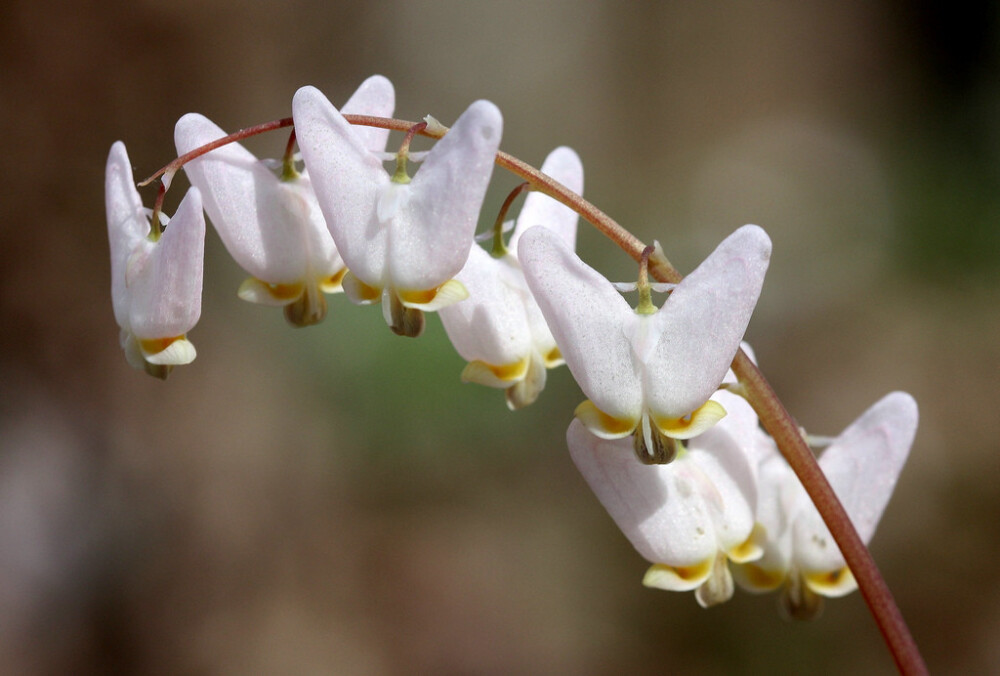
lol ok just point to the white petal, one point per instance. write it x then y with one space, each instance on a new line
490 326
564 165
659 508
862 465
348 181
266 224
732 498
777 504
700 325
588 319
375 97
432 233
127 224
166 296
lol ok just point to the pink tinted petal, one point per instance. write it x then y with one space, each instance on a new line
588 319
562 164
433 229
166 295
702 322
348 181
375 97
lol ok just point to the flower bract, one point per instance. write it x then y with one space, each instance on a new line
156 278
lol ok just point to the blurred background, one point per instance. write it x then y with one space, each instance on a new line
332 499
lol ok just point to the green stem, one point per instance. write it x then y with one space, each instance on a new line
499 249
288 171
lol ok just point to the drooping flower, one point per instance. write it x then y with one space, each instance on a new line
688 518
156 277
273 226
403 239
862 465
499 329
648 372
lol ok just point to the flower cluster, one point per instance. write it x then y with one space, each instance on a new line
664 438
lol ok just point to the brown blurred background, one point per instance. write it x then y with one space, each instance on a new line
333 500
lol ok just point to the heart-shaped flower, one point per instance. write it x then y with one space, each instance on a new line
156 277
499 329
648 372
403 239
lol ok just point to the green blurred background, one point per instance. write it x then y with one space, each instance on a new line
333 500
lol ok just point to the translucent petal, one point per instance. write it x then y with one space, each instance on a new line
348 181
433 231
862 464
589 320
659 508
701 324
491 325
127 224
564 165
376 97
166 296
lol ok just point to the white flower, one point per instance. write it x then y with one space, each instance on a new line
403 240
272 226
499 329
862 465
689 517
155 278
648 374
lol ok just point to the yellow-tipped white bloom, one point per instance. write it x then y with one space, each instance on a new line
688 518
403 240
648 374
155 280
499 329
862 465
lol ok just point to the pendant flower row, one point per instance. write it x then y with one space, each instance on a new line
678 460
